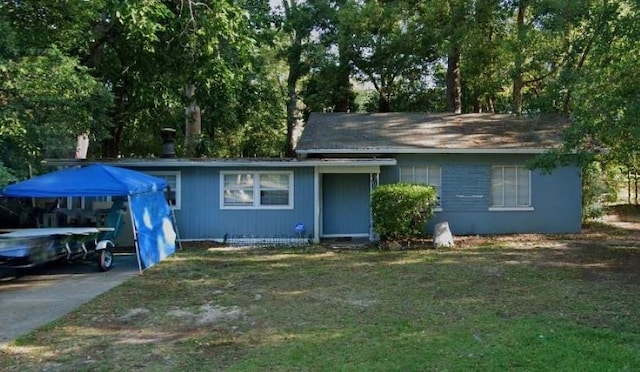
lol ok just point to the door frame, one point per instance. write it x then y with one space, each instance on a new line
374 177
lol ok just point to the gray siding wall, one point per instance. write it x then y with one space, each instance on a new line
466 195
200 216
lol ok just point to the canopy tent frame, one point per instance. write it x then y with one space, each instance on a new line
148 207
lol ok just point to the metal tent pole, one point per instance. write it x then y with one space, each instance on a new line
135 234
173 216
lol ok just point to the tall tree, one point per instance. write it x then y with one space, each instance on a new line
456 29
146 53
329 85
47 98
546 38
519 47
485 57
386 41
215 49
607 103
298 24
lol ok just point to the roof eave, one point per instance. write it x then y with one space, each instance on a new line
226 163
404 150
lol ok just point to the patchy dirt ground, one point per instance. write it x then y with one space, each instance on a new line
212 307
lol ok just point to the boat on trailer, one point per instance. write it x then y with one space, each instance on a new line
24 248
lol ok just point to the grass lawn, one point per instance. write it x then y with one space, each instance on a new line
504 303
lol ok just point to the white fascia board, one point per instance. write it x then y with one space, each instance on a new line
270 164
328 168
350 162
235 163
425 151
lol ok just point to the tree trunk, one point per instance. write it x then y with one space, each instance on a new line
193 124
566 105
518 80
635 180
628 185
294 59
457 26
343 101
490 105
454 82
518 84
477 105
383 102
292 119
292 95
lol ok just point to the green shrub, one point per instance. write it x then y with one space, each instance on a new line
597 188
402 210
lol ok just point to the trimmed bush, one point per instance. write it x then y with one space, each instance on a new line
401 211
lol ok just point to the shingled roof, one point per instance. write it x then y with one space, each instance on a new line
343 133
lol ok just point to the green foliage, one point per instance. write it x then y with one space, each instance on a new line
141 55
601 86
6 175
599 187
607 105
119 68
402 210
327 90
386 41
49 100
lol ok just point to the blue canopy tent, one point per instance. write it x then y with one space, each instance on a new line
155 237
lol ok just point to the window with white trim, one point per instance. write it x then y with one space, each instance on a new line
510 187
256 190
174 181
426 175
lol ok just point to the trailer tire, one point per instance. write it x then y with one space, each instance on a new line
105 259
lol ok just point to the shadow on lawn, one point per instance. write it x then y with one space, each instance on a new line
178 314
575 251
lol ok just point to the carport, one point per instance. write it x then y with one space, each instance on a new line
154 234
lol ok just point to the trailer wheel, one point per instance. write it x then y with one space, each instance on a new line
105 259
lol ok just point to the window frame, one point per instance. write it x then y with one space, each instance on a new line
177 190
257 190
438 207
516 207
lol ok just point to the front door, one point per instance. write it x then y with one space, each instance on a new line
345 205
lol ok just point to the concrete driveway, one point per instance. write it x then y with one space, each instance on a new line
46 294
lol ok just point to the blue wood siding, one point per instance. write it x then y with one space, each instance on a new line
345 204
465 200
466 188
200 216
466 195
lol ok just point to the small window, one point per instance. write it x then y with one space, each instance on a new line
238 190
428 175
257 190
174 182
510 187
274 189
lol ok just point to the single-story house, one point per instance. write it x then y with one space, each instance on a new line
476 162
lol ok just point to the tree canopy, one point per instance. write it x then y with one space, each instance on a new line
251 69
